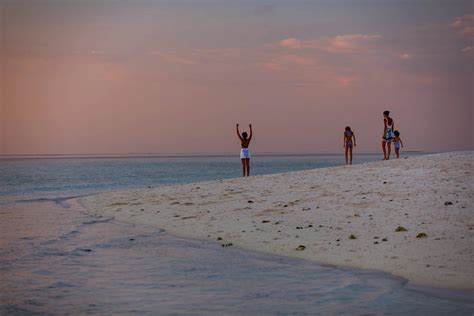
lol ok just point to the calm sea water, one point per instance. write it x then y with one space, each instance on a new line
57 259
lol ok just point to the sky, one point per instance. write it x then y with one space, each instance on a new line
175 76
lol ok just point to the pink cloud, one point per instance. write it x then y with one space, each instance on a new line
337 44
407 56
345 80
468 50
464 25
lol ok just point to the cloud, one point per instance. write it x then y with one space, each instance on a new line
173 58
345 80
337 44
407 56
468 50
464 25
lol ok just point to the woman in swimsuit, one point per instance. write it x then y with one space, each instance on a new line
245 151
387 137
348 144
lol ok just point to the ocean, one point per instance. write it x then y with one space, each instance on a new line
57 259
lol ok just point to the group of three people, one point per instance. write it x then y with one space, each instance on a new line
389 135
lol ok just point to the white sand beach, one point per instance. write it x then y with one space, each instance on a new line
345 216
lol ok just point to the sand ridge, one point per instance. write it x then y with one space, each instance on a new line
345 215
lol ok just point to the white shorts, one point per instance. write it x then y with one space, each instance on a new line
244 153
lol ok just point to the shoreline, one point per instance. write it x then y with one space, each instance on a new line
320 209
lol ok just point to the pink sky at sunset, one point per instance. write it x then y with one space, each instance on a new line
175 76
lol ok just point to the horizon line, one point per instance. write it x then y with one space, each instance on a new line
183 155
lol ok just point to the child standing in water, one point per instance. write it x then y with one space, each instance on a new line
387 137
397 141
245 151
349 136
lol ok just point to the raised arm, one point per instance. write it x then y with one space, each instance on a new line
401 142
251 133
238 133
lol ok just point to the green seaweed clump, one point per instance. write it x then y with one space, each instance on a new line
300 248
421 235
352 237
400 229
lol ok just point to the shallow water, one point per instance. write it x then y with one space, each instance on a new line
57 259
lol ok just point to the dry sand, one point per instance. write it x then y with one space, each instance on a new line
320 210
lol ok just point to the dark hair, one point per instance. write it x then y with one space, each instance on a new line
386 113
397 133
348 129
244 134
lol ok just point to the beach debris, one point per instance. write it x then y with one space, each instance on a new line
188 203
376 242
227 245
385 182
309 226
352 237
384 239
265 221
250 201
299 227
277 223
175 203
306 208
219 238
300 248
176 215
131 239
376 237
400 229
149 187
448 203
142 209
188 217
421 235
87 250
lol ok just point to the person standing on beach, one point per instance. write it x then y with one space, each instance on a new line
245 151
397 141
387 137
349 143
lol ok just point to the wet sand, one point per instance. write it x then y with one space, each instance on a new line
410 217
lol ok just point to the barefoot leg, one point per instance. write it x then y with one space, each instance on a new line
243 167
346 149
350 153
247 163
